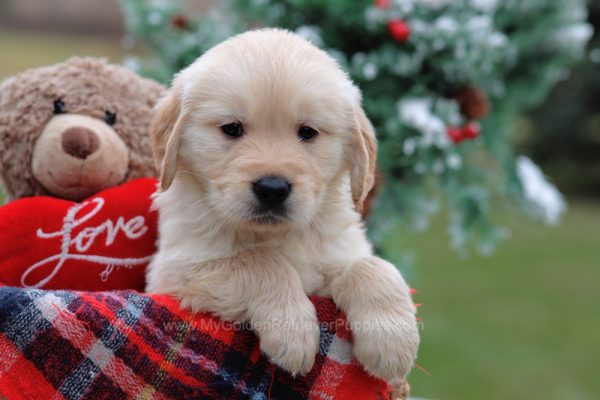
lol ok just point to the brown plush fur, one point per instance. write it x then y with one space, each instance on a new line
88 87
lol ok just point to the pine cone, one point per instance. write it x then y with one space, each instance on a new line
473 102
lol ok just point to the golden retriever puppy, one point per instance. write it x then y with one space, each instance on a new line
266 157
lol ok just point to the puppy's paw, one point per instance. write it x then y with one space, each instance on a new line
292 342
386 344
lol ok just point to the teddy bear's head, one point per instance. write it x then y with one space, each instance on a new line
72 129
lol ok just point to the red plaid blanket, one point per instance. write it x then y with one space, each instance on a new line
126 345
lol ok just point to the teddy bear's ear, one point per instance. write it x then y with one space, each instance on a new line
165 130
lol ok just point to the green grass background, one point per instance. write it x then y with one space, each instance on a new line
521 324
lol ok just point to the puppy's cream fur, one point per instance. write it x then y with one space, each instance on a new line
216 257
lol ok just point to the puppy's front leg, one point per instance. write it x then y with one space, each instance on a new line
261 287
283 317
380 311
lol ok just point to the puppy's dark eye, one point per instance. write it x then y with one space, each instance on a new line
110 118
307 133
59 107
235 130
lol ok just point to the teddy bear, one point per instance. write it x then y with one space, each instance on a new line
76 161
72 129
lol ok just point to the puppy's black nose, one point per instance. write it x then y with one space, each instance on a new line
271 191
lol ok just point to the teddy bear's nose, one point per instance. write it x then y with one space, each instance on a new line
79 142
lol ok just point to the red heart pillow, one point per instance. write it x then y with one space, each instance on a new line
102 243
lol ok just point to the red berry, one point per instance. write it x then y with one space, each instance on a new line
382 3
399 30
179 21
471 130
455 134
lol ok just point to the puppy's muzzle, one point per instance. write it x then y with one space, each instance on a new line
271 193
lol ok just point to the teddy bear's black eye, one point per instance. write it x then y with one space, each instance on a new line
59 107
110 118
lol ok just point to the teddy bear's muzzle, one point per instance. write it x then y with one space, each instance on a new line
78 155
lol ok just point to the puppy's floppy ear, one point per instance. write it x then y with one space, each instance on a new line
165 130
364 163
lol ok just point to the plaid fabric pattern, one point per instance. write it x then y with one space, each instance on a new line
129 345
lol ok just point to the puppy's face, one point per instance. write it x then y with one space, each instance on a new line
266 124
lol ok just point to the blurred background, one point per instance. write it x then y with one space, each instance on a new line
520 322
